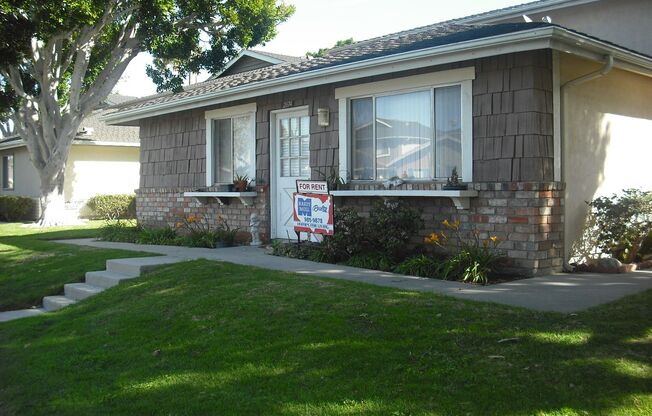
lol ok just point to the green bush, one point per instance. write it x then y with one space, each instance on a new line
374 261
165 236
421 265
390 227
16 208
120 232
623 222
349 238
112 207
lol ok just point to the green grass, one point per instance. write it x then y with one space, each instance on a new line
203 338
32 267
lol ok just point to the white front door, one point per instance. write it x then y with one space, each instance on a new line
290 161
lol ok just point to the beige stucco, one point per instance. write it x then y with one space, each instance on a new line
607 137
93 170
26 180
623 22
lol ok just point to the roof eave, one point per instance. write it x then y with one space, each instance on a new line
538 38
520 10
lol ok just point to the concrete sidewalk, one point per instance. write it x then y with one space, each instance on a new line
554 293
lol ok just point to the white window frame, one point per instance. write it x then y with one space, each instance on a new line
5 168
224 113
462 76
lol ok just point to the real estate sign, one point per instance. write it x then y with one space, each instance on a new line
313 213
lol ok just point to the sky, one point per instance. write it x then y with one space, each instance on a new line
321 23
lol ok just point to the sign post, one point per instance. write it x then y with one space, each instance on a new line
312 208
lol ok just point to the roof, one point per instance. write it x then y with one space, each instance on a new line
519 10
266 59
93 130
444 38
280 57
413 39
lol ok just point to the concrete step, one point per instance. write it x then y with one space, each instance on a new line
54 303
105 278
137 266
21 313
79 291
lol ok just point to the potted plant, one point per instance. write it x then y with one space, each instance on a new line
241 182
453 182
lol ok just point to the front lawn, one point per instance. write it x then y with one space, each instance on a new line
32 267
213 338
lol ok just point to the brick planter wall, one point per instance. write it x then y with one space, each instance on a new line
164 207
526 216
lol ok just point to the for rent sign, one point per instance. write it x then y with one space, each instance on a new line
313 213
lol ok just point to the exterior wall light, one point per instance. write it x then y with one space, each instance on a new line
323 117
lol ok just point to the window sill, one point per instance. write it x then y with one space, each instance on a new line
223 198
461 198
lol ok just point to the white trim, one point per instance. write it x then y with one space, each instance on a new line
538 38
246 198
463 77
433 79
273 162
221 113
556 117
104 143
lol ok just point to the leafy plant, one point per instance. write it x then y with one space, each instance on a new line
333 179
15 208
421 265
473 258
112 207
120 231
198 232
158 236
374 261
623 221
390 226
349 237
241 182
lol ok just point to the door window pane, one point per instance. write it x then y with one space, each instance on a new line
243 147
285 127
294 147
404 136
362 141
294 126
448 133
223 151
305 126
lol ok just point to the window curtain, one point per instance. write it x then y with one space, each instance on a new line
222 151
448 130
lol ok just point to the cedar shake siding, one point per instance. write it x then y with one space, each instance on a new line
512 161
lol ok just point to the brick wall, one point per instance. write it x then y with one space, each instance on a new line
512 151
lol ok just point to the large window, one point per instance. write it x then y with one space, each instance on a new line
8 172
403 139
413 128
231 140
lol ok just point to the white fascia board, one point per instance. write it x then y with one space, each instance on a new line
234 111
518 11
104 143
539 38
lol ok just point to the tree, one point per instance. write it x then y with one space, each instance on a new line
322 51
60 59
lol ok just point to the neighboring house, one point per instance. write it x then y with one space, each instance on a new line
103 160
502 103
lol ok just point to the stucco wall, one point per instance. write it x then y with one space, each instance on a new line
624 22
607 131
93 170
26 180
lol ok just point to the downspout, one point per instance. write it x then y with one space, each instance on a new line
606 68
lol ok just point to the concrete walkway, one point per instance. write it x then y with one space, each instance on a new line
554 293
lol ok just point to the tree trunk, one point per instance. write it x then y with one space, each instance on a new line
53 201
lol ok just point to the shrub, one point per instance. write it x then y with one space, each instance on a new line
158 236
349 237
390 226
112 207
120 232
421 265
374 261
623 222
16 208
199 233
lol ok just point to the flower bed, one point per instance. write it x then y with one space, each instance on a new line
383 242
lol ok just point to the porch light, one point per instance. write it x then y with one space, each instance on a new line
323 117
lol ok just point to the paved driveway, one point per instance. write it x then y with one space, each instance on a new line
553 293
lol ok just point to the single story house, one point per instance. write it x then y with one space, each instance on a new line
104 159
524 111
